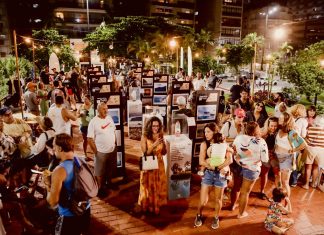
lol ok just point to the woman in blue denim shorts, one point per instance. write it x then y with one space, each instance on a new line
212 177
251 151
287 142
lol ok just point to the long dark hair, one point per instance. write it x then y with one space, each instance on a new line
213 127
312 107
263 111
148 133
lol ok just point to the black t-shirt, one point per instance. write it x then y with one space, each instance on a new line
235 92
271 141
74 79
44 77
221 108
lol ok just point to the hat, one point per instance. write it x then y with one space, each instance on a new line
239 112
31 84
4 110
181 100
44 122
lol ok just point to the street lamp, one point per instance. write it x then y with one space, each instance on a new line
173 44
28 40
266 14
279 33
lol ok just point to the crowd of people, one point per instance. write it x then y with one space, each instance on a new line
288 143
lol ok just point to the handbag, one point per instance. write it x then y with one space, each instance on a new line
148 163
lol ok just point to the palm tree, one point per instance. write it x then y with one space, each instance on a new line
286 50
254 41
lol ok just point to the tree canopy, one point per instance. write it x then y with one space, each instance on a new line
304 69
47 41
122 31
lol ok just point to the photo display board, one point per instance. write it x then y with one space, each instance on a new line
115 110
206 109
147 83
99 84
179 88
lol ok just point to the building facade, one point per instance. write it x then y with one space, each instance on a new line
5 43
308 22
223 18
182 12
78 17
265 21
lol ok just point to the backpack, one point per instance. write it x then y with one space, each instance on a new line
84 187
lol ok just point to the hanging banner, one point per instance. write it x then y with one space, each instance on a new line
178 166
189 62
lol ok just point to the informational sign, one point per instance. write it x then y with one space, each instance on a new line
179 166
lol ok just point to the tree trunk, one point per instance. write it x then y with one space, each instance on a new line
315 99
253 71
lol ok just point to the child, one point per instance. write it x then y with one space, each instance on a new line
274 221
216 155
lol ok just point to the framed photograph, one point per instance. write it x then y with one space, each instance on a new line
207 97
175 98
102 79
206 112
148 73
104 89
147 82
113 100
147 101
160 88
147 92
138 70
159 99
185 86
118 137
119 159
164 78
115 115
138 76
95 89
200 131
139 64
197 149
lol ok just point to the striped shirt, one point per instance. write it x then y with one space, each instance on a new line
315 136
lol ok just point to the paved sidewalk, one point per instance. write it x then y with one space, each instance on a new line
114 215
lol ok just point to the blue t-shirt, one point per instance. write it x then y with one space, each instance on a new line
67 184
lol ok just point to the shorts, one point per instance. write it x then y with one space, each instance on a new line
214 178
314 154
273 162
84 130
105 164
285 161
250 175
73 225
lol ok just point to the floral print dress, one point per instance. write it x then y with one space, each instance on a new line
274 215
153 184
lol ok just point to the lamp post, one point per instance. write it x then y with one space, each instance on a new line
266 14
88 13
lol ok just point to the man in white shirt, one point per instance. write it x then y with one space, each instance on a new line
199 83
102 140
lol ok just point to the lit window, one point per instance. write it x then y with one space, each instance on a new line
35 5
37 20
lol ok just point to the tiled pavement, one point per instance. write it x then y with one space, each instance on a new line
114 215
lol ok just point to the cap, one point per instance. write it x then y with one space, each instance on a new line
31 84
181 100
4 110
239 112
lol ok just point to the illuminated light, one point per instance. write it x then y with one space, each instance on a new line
224 50
279 33
77 20
182 21
322 63
196 54
38 20
35 5
111 46
27 40
269 57
41 47
173 43
57 50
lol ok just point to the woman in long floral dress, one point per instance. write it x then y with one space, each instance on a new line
153 183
